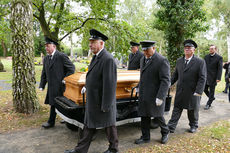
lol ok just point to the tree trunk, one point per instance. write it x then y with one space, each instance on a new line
23 84
4 48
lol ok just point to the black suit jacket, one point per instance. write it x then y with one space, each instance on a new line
214 68
134 60
54 72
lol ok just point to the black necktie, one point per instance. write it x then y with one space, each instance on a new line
132 55
50 58
93 59
147 60
186 63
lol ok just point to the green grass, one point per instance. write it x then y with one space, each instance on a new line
214 138
38 69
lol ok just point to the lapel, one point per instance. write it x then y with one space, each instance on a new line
53 59
189 64
149 62
97 59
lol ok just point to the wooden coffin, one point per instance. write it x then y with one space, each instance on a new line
126 80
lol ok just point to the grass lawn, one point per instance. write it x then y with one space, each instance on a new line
214 138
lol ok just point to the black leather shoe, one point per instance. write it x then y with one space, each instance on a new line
192 130
71 151
165 138
141 140
47 125
110 151
207 107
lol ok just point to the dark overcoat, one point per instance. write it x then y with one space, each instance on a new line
53 72
154 83
134 60
189 81
101 82
214 68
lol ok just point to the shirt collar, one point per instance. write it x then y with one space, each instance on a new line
213 54
53 53
99 51
189 59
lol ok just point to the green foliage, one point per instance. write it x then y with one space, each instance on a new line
39 46
4 27
179 20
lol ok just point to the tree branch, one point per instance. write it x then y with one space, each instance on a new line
82 25
51 15
36 6
36 16
44 2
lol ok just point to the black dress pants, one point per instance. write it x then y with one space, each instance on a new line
145 126
52 115
193 116
87 135
209 90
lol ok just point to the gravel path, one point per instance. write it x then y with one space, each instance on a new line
4 85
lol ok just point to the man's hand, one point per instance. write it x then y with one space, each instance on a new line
217 81
63 81
159 102
83 90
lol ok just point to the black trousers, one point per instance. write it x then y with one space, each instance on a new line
53 115
145 126
226 87
193 116
87 135
209 90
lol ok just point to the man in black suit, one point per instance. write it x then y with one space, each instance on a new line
153 86
214 64
135 56
100 109
190 75
56 66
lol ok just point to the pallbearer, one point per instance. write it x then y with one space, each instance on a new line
101 81
153 86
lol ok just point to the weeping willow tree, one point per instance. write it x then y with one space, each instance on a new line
23 84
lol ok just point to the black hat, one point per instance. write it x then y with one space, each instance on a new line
50 41
147 44
190 43
96 35
132 43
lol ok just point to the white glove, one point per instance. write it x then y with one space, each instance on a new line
41 89
159 102
83 90
137 90
196 94
63 81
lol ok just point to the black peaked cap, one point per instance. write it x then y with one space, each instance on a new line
190 43
97 35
